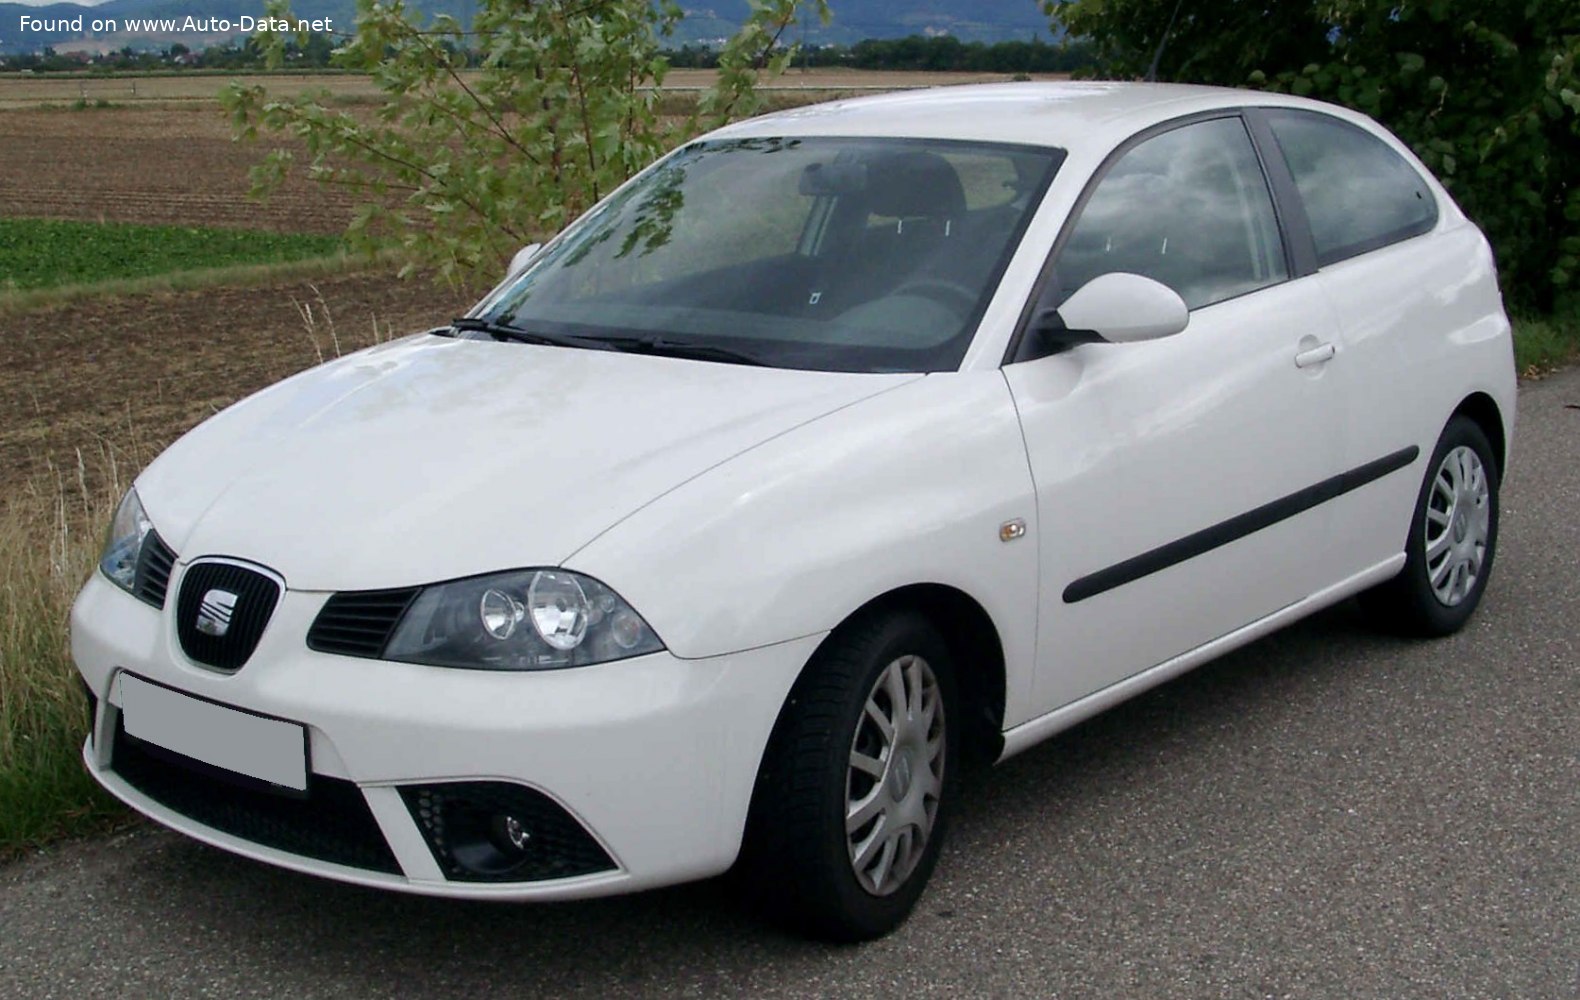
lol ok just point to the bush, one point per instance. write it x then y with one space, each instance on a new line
460 167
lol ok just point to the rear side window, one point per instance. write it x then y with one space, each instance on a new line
1359 194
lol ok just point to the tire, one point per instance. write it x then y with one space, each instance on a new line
799 861
1453 538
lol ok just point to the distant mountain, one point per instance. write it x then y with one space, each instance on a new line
706 20
968 20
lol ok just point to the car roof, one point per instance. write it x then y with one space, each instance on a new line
1062 114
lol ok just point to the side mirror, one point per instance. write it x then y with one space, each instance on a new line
1120 308
523 257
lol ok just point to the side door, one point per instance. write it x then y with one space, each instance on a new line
1179 481
1418 305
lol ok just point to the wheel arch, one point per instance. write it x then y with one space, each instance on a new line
973 640
1483 410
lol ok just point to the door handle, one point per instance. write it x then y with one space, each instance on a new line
1320 354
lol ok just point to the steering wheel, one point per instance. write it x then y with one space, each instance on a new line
955 297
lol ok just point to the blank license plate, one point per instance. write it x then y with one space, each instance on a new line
267 749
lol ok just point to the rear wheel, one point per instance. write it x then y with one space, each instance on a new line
1453 537
852 800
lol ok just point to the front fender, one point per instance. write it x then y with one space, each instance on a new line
789 538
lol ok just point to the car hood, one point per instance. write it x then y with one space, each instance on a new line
432 458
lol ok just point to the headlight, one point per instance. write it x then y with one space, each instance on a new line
124 545
528 619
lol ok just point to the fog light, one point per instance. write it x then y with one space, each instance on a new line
495 831
509 834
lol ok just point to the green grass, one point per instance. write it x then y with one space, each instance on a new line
232 276
48 253
1541 345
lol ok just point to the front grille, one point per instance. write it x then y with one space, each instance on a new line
154 562
359 623
464 824
331 823
228 635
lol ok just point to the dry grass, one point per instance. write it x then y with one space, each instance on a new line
1542 346
49 543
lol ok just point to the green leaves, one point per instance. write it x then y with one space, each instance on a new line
489 140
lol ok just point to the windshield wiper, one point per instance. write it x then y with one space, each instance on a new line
633 345
503 331
683 349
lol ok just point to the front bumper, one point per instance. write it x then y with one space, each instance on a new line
654 756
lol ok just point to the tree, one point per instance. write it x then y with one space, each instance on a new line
1486 92
457 169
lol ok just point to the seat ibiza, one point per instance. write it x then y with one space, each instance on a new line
837 449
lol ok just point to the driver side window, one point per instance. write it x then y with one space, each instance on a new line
1189 208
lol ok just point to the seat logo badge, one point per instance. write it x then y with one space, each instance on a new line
214 612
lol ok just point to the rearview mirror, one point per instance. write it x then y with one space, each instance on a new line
523 257
830 180
1119 308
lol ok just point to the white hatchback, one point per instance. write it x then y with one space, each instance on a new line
837 449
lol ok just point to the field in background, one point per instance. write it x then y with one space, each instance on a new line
62 90
162 166
164 154
46 253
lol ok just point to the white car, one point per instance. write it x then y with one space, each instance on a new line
837 449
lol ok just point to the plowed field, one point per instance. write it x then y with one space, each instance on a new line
131 89
163 152
128 375
151 165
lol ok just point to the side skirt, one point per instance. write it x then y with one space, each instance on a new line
1034 731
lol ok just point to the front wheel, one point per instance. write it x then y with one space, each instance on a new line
852 800
1453 537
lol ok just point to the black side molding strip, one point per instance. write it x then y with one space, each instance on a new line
1236 527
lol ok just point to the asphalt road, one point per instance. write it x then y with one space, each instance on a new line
1328 813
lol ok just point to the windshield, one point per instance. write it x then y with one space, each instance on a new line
834 254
